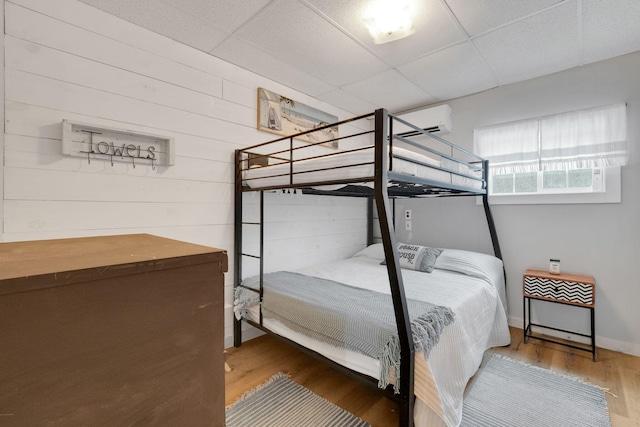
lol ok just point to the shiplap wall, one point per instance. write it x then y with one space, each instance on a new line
2 134
67 60
288 232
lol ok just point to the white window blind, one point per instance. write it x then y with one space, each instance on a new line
585 139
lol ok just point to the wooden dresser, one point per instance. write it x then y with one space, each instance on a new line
111 331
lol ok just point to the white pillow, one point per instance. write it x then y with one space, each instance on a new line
474 264
375 251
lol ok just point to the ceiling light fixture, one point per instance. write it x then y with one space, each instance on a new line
389 20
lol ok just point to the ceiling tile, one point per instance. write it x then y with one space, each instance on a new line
347 101
293 33
479 16
164 19
434 26
246 56
610 28
450 73
227 15
541 44
390 90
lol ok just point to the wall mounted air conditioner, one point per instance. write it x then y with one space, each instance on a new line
434 120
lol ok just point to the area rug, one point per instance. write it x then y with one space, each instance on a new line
508 393
281 402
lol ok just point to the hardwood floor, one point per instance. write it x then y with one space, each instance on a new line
257 360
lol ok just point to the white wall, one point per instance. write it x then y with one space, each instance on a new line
67 60
598 239
2 133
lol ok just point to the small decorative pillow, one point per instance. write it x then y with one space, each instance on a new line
415 257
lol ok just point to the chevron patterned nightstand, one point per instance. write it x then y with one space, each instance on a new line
564 288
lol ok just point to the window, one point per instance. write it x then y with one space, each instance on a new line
550 159
548 182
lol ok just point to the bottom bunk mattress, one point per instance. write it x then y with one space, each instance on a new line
469 284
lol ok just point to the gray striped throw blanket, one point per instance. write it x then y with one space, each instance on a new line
345 316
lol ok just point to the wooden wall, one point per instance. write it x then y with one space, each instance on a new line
67 60
2 133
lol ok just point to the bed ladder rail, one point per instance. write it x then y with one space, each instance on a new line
239 223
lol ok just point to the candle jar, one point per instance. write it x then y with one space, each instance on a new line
554 266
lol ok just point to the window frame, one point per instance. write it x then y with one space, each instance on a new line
612 193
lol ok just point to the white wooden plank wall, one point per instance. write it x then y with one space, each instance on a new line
67 60
288 233
2 133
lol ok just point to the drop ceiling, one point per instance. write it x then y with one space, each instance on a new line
460 47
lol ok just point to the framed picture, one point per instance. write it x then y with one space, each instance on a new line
283 116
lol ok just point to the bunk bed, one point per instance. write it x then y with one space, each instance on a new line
468 314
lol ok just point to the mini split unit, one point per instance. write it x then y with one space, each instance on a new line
434 120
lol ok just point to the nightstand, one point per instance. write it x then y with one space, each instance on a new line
564 288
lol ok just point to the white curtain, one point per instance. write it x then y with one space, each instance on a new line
584 139
591 138
510 148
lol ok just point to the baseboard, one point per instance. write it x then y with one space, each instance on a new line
248 333
601 342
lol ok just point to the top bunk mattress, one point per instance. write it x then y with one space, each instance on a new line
355 165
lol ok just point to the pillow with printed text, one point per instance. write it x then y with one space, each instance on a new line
415 257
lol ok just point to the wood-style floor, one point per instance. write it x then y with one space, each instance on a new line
257 360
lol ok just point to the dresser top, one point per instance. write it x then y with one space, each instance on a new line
106 254
569 277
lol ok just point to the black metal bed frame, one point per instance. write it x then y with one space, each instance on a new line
401 186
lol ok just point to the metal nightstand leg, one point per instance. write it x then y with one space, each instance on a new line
524 319
593 333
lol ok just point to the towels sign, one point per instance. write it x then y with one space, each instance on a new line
116 145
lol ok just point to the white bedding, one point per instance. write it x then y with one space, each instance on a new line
471 284
264 176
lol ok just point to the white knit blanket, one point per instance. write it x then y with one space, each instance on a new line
345 316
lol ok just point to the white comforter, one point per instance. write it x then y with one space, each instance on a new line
471 284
